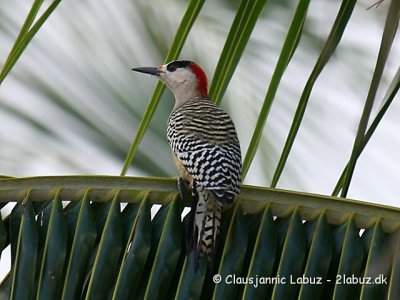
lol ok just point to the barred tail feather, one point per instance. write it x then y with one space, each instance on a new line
207 221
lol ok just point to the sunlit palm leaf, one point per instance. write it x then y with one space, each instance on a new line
288 49
317 236
82 236
387 101
93 247
176 47
389 33
23 283
333 40
236 41
54 250
26 34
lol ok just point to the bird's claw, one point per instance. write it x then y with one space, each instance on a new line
183 188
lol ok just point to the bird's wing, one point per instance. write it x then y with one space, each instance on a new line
207 145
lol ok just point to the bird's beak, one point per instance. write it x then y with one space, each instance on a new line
148 70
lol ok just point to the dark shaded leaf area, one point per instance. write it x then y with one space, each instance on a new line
85 249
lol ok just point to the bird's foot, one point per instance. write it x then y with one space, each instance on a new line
188 195
184 189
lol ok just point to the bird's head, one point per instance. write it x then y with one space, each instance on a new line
184 78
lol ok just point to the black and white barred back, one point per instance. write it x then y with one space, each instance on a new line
204 139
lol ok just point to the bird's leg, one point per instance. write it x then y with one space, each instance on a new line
191 233
184 189
189 194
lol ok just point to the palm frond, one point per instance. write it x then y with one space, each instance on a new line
176 47
332 41
288 49
96 237
389 33
118 251
26 34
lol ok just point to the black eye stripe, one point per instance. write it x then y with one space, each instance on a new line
172 66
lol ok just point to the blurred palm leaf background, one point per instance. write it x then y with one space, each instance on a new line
71 105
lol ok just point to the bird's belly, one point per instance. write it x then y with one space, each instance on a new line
182 170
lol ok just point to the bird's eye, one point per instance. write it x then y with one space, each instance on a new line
171 68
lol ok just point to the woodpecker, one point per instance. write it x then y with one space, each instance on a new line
205 148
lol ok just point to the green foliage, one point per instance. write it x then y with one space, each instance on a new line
267 234
82 236
23 283
389 33
94 248
288 49
26 34
236 41
331 43
176 47
54 251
